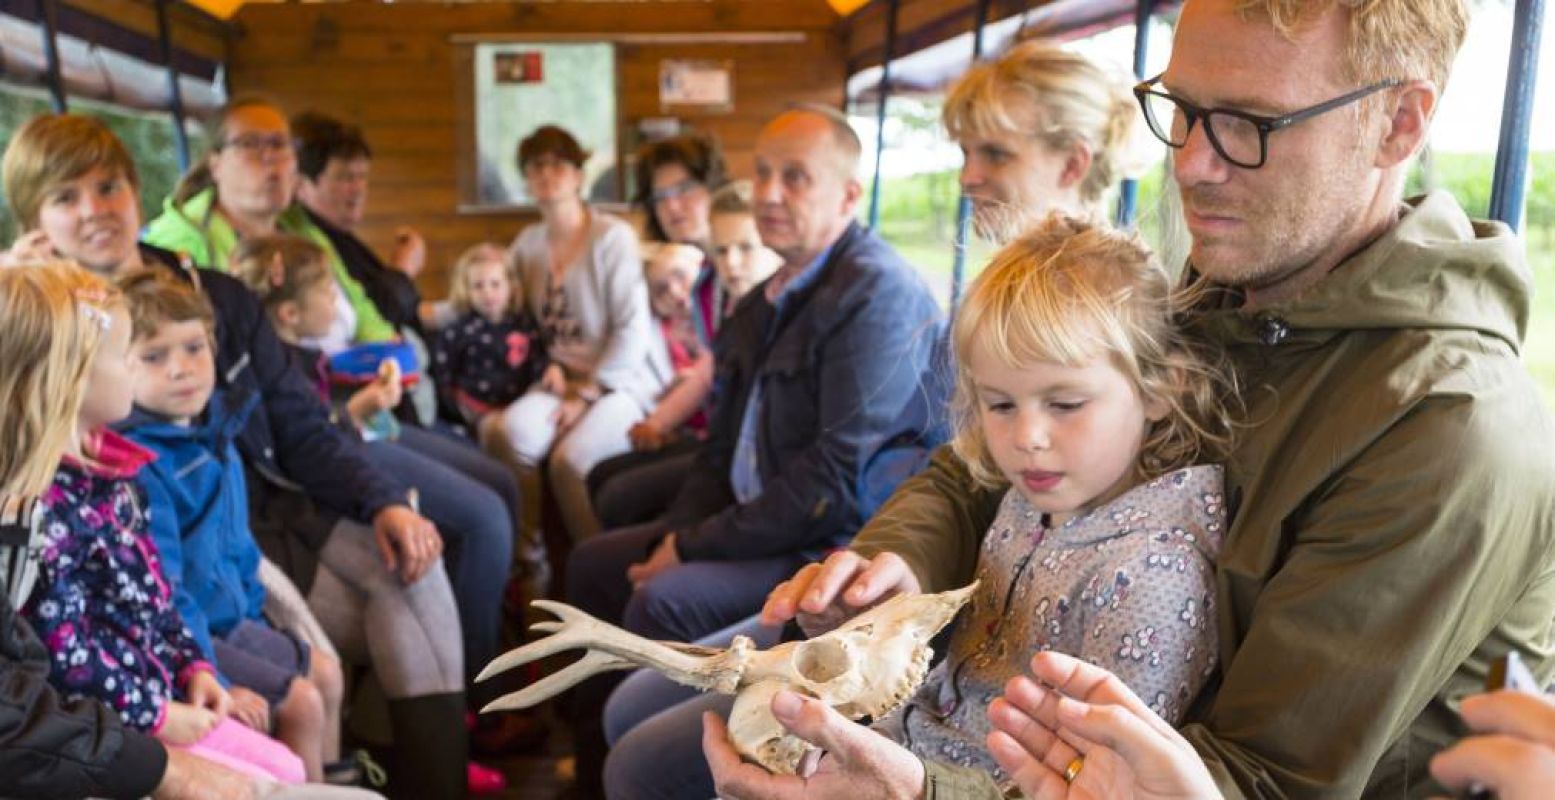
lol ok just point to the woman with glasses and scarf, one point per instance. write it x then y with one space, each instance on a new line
676 178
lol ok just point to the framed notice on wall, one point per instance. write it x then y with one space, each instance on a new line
520 86
687 84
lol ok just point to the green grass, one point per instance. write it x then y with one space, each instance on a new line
1539 346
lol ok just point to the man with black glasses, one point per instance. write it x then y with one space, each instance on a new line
1392 496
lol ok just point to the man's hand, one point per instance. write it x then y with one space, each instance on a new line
410 252
1081 720
408 542
823 596
204 691
189 777
251 709
185 724
859 764
662 558
647 436
1514 756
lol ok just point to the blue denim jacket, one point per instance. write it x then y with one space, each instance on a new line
850 396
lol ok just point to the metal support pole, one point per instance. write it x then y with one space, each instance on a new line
964 204
885 92
50 27
175 95
1128 198
1511 173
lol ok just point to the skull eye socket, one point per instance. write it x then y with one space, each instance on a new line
821 660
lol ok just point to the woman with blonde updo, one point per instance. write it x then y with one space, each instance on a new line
1042 130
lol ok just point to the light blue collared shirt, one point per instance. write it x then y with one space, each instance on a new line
745 472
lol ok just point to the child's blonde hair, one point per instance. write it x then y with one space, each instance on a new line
280 268
1069 291
459 281
54 316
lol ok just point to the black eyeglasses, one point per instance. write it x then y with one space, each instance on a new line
258 145
1237 136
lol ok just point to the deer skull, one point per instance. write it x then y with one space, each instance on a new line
865 667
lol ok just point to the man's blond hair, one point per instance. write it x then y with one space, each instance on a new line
1389 39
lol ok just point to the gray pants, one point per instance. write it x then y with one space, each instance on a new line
409 633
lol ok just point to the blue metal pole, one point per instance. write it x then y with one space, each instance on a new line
46 14
964 204
1128 199
1511 174
885 93
175 95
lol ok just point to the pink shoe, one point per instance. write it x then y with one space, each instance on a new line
481 779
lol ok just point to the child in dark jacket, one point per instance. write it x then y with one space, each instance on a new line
199 520
489 356
101 604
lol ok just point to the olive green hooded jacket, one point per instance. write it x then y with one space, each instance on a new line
1393 517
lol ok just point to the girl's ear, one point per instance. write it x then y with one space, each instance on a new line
1156 409
287 314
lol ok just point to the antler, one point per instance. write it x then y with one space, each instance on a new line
611 648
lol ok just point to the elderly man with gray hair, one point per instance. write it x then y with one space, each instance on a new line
822 371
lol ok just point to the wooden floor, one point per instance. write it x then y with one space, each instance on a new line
535 776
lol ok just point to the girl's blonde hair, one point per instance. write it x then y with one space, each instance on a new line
280 268
1069 291
459 281
54 316
1061 98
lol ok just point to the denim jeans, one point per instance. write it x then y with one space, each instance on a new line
683 603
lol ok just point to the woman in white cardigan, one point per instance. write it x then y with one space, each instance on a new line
583 280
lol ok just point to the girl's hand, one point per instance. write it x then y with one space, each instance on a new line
368 401
251 709
185 724
823 596
554 380
568 413
204 691
1078 732
32 247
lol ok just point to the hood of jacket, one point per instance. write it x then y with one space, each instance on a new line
1436 269
225 416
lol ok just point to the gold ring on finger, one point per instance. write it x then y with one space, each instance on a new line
1072 771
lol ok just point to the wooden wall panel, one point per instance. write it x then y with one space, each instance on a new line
391 69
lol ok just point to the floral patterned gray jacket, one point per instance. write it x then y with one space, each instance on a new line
1128 586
